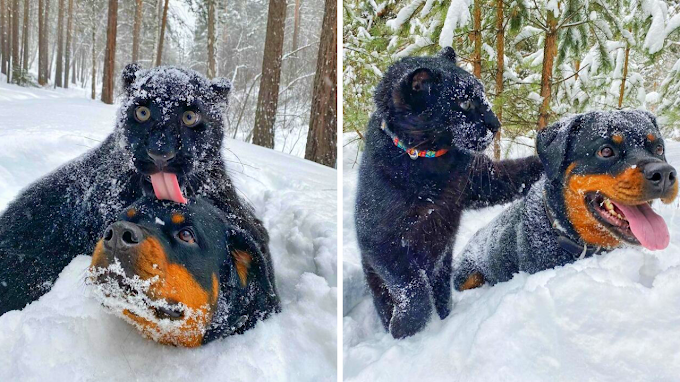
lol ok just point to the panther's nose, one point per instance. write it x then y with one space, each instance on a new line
491 121
660 176
122 235
161 159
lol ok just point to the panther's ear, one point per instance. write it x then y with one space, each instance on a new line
449 54
129 74
413 88
220 87
552 143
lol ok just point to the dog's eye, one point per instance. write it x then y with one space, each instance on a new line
142 113
187 236
606 152
466 105
190 118
658 150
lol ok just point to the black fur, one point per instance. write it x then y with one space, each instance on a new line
408 211
62 215
523 237
215 236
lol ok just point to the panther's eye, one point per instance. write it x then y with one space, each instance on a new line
606 152
466 105
142 113
190 118
187 236
659 150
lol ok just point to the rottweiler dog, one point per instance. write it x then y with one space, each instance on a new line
422 167
183 274
602 172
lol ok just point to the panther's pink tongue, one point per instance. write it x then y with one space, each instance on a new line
649 228
166 187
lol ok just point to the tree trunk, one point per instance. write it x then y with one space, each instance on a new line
94 59
211 39
625 75
110 54
69 26
48 61
16 65
162 34
549 53
296 26
268 97
321 140
59 74
24 48
42 43
223 51
3 50
135 31
577 67
477 35
500 68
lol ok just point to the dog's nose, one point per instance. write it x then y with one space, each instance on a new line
660 175
161 159
122 235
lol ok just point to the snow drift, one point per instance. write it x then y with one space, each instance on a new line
68 335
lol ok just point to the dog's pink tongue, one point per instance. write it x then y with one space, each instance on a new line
166 187
649 228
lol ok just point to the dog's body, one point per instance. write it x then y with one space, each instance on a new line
61 216
602 169
183 274
420 170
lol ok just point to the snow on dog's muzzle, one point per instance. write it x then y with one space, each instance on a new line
132 277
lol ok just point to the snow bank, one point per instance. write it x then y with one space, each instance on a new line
609 318
67 335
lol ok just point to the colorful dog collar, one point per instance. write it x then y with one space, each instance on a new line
412 152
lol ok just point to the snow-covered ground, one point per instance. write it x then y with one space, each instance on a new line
614 317
68 336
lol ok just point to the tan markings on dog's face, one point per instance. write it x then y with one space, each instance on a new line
475 280
177 218
626 187
617 138
98 257
242 259
174 284
672 196
131 213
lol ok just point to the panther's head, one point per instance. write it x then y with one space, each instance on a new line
172 121
431 103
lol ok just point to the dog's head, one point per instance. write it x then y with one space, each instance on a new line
609 167
172 121
165 266
431 103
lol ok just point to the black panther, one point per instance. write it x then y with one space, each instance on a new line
421 168
167 140
183 274
603 170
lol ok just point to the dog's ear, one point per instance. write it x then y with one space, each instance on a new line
129 75
414 88
448 53
220 87
552 144
250 266
649 116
